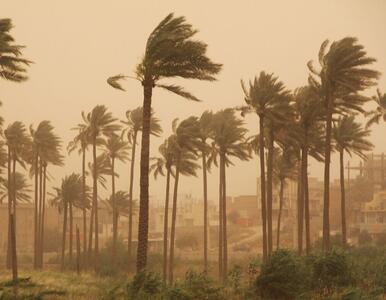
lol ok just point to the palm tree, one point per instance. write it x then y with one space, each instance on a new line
170 52
228 136
22 189
309 115
71 190
380 112
115 149
205 122
349 137
46 147
265 98
100 169
185 143
122 203
17 142
344 71
284 168
133 124
98 123
12 65
166 161
81 142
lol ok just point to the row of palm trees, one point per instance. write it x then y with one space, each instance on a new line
311 121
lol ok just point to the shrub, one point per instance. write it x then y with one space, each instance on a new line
145 286
283 276
331 270
381 239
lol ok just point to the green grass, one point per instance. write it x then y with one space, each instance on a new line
83 286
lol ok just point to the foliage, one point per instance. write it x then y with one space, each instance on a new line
145 285
364 238
283 276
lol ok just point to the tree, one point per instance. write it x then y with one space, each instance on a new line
185 144
309 131
22 188
71 190
12 64
45 149
170 52
115 149
17 142
380 111
133 125
81 142
98 123
349 137
228 135
166 161
205 127
344 71
284 168
264 96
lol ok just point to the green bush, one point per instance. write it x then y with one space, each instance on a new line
283 276
145 286
331 270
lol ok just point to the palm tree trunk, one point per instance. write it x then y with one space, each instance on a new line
306 202
143 226
174 219
166 226
13 223
280 212
262 187
40 170
269 191
224 215
327 160
115 224
77 250
205 186
36 217
95 201
84 201
10 194
130 231
43 215
64 234
220 227
91 227
300 199
71 232
343 199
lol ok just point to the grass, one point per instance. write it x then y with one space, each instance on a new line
83 286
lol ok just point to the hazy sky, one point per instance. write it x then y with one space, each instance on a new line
76 45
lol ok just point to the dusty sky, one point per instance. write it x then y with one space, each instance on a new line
76 45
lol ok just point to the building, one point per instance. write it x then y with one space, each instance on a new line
373 214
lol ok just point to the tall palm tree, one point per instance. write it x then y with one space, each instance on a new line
133 124
350 137
81 142
228 134
71 190
98 123
264 96
115 149
100 170
344 71
284 168
165 162
46 147
205 127
185 142
122 203
12 64
309 116
170 52
17 142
